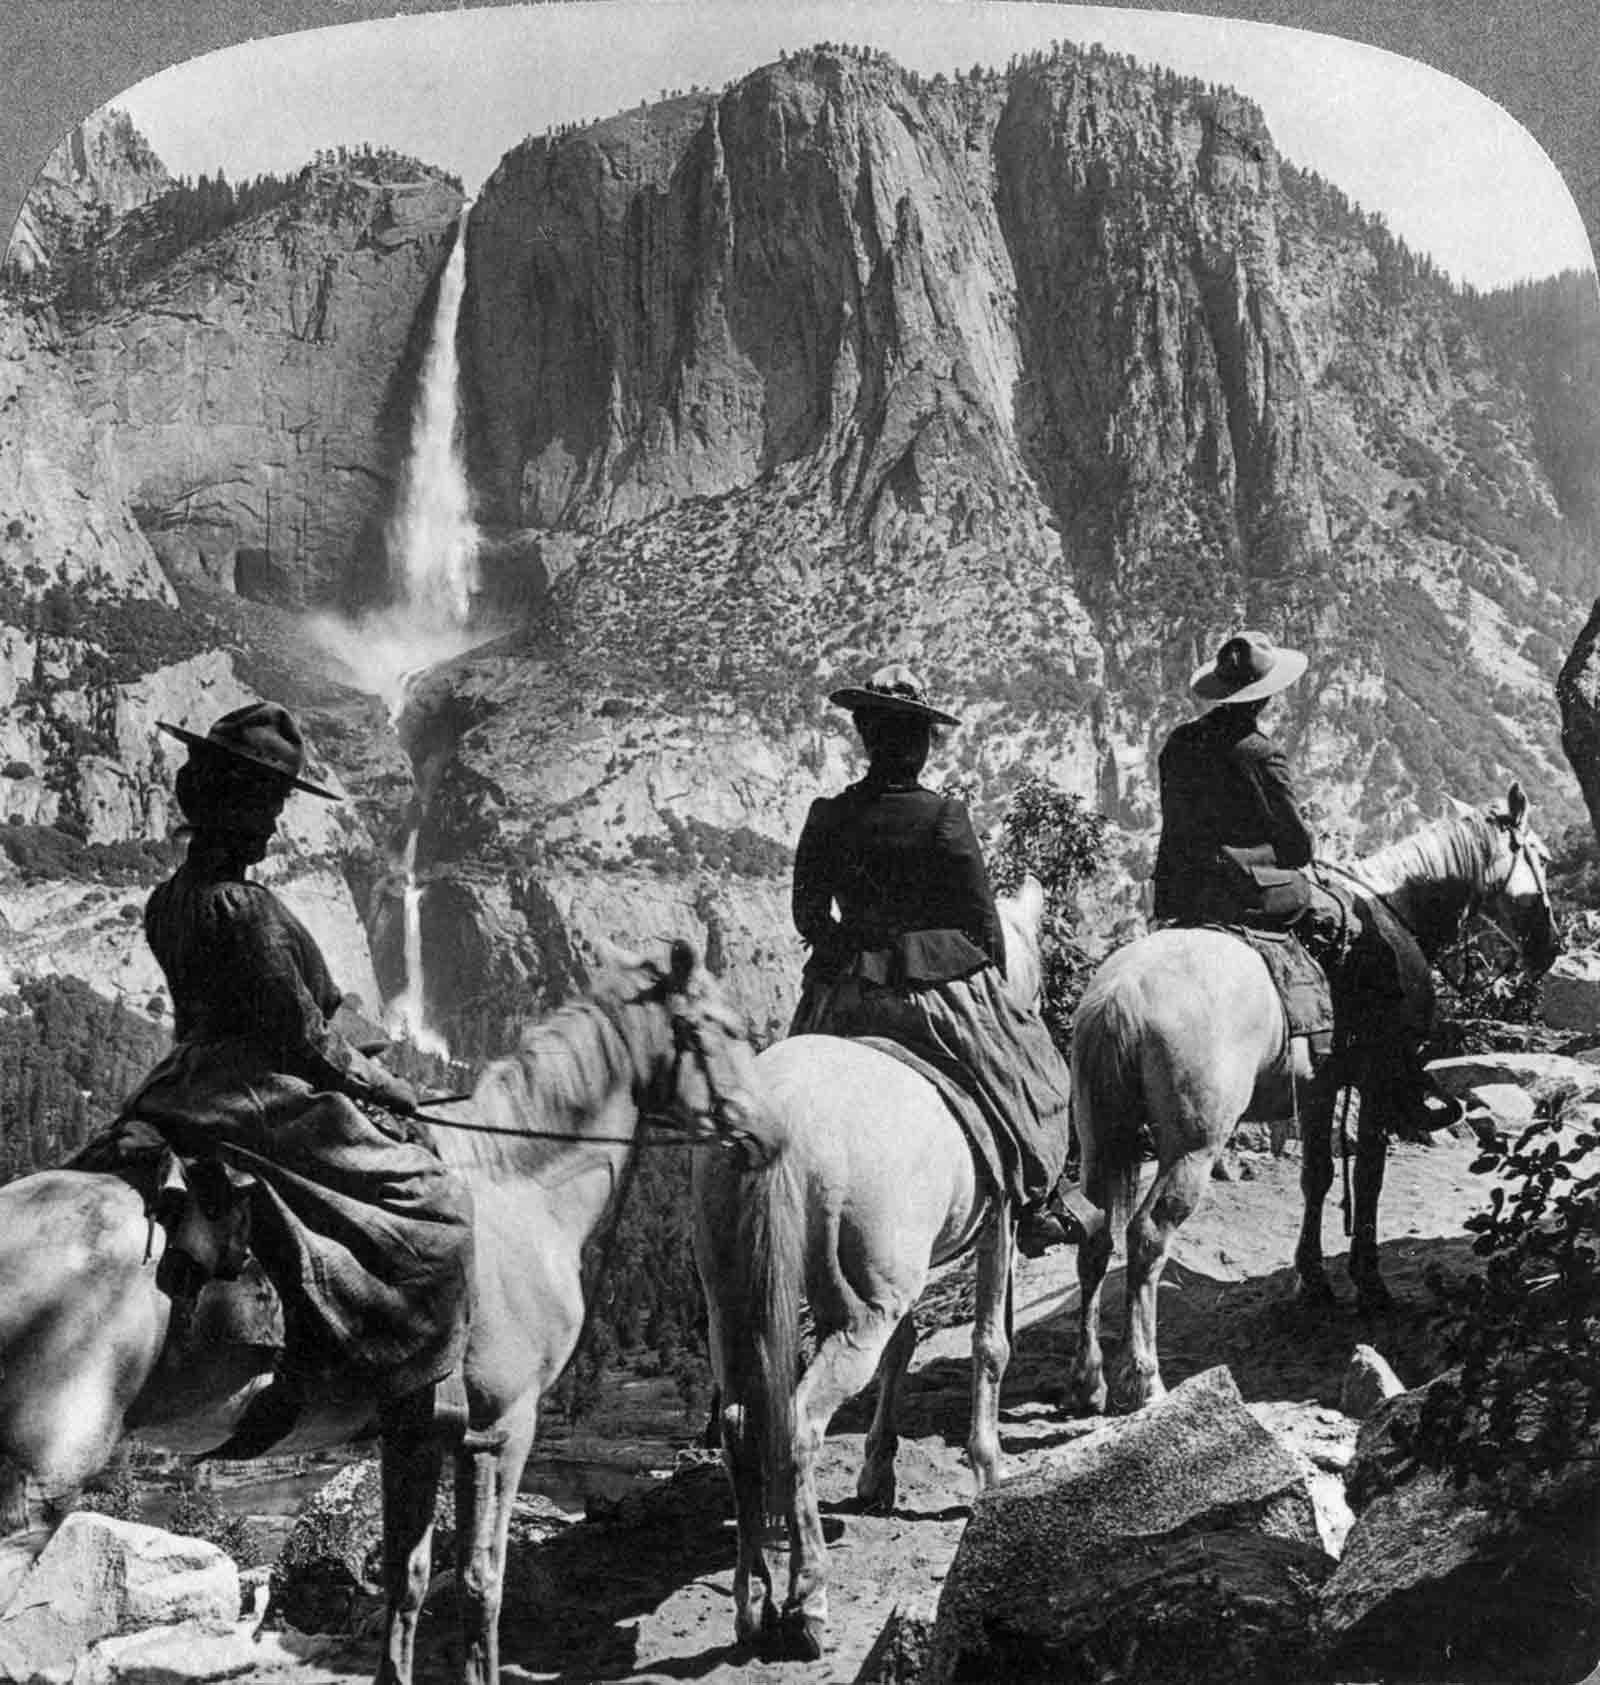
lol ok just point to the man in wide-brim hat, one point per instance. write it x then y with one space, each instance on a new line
1229 816
365 1233
1235 849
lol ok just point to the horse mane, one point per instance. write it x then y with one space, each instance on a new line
566 1069
1019 923
1459 848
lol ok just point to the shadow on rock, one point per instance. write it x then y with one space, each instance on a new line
575 1594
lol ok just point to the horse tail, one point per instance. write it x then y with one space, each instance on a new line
1108 1103
761 1338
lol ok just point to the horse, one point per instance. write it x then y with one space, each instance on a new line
870 1182
543 1142
1183 1031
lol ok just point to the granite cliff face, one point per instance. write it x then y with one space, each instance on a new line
226 428
1041 379
102 170
256 391
1045 379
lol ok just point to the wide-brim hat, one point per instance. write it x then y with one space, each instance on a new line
891 690
1248 667
261 735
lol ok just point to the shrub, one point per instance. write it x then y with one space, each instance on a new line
198 1515
1051 833
1524 1332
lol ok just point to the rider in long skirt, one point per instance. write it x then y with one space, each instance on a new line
367 1235
892 896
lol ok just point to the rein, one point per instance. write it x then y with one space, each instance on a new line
681 1140
686 1039
1474 907
1378 896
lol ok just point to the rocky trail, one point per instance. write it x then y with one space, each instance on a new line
641 1589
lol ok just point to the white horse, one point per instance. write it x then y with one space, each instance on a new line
84 1349
871 1183
1182 1031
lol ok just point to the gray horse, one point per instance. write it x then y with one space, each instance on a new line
872 1181
84 1352
1182 1032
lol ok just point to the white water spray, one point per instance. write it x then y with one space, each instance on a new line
408 1009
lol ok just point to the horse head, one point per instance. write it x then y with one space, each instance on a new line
708 1087
1020 916
1516 900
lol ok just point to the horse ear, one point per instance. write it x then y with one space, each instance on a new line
1463 810
1516 804
681 964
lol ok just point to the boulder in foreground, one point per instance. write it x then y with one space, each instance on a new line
98 1577
1179 1543
1456 1583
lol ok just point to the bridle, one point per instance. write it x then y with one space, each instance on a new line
1476 904
688 1041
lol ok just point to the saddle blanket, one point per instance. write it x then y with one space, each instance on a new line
966 1110
1301 983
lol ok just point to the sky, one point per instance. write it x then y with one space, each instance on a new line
1451 172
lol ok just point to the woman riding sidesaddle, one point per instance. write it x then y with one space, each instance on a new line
1235 849
915 952
366 1234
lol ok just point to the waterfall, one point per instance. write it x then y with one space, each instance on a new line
433 542
431 545
430 541
408 1009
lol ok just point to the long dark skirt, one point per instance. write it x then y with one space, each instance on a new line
997 1053
365 1233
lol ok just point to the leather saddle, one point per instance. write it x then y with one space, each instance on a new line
1301 982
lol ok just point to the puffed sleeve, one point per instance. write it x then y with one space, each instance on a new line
812 898
971 897
289 994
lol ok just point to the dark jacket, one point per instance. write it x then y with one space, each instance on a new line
240 964
904 867
1226 800
366 1234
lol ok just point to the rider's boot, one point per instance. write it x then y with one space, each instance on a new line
1421 1106
1065 1217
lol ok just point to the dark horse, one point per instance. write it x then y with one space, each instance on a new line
1182 1031
84 1352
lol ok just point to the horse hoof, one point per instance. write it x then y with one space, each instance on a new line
1086 1397
757 1632
1316 1293
877 1497
1133 1394
801 1638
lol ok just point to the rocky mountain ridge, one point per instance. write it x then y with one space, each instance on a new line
1040 378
